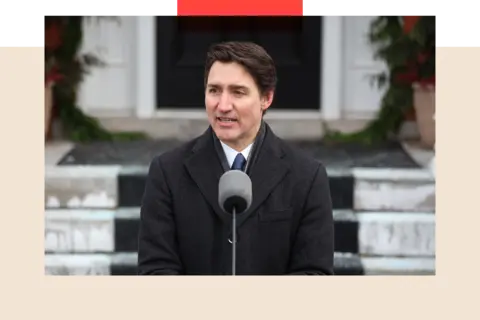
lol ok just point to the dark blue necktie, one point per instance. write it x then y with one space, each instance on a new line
239 162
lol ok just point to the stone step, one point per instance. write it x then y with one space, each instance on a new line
188 124
394 190
363 189
365 233
132 183
125 264
287 124
81 186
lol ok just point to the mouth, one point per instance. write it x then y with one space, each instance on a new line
226 119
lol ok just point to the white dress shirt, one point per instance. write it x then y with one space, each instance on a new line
231 153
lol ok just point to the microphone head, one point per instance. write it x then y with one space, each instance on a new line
235 191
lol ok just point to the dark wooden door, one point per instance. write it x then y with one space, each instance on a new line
293 42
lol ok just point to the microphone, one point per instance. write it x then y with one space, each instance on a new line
234 196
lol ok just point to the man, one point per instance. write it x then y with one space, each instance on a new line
288 230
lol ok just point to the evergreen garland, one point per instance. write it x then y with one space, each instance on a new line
72 68
409 57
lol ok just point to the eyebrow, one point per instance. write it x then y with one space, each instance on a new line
233 86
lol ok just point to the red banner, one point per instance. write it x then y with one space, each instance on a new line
238 8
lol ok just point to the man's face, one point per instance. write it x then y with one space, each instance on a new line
234 104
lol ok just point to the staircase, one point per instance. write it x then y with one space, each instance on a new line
384 218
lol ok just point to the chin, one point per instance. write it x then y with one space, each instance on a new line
224 135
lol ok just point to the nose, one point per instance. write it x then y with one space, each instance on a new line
224 103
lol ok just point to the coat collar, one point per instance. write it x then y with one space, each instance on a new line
268 170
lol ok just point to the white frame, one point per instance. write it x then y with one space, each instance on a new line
331 75
145 67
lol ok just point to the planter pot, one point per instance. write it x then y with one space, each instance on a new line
424 102
48 108
410 115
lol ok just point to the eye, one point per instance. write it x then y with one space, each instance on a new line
212 90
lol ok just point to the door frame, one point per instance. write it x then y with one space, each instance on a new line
331 75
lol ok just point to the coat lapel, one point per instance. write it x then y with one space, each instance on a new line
205 169
266 173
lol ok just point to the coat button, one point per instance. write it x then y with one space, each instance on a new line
230 240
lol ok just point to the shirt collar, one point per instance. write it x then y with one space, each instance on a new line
231 153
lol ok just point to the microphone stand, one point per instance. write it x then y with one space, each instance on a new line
234 240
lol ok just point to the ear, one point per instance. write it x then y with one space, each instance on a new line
267 100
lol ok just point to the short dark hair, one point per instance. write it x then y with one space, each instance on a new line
251 56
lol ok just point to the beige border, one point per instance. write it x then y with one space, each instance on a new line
29 294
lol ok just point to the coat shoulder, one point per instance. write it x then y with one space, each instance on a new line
301 161
174 157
